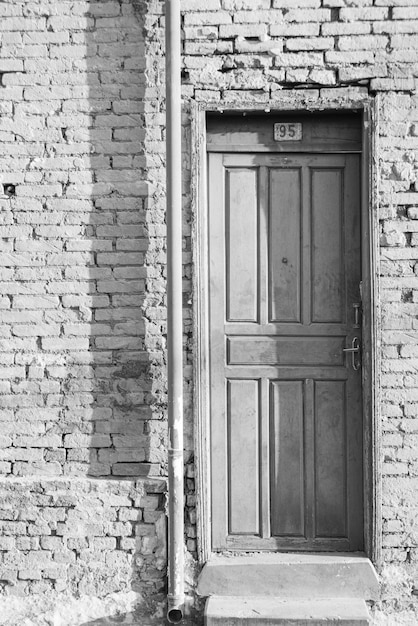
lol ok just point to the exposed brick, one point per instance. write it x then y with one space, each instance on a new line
305 43
404 12
294 30
253 17
393 84
360 42
296 4
363 14
196 5
305 15
404 41
303 59
349 58
236 5
345 28
242 30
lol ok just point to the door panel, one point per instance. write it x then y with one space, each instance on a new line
244 466
288 350
284 227
327 245
286 417
287 459
241 244
330 459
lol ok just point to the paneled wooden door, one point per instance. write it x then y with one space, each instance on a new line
285 399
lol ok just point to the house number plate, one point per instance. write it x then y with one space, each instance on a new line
287 131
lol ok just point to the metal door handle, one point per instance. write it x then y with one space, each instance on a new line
355 349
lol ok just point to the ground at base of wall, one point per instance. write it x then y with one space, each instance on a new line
128 609
65 610
116 609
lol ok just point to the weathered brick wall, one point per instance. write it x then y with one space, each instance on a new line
90 549
81 260
82 536
334 52
82 376
82 236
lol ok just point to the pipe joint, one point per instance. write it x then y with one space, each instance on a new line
175 453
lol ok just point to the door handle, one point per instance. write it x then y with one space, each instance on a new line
355 349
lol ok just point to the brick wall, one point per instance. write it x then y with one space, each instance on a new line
82 264
81 259
82 536
302 53
82 375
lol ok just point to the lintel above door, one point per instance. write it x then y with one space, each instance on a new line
287 132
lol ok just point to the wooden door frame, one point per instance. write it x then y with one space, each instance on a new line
371 329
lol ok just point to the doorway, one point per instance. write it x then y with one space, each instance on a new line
285 333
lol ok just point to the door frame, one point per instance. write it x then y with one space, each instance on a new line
371 319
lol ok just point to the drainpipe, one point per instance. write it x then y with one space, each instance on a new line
174 316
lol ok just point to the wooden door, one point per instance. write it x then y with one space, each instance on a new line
285 400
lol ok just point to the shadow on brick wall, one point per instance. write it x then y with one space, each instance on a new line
118 435
126 235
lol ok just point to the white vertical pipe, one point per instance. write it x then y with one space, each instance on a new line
174 313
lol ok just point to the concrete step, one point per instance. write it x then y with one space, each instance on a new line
292 575
270 611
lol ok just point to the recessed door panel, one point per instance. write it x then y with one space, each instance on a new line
284 234
330 450
287 459
327 246
290 350
285 400
243 457
241 247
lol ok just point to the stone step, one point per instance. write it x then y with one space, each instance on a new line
293 575
270 611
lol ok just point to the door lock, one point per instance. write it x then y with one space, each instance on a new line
356 307
355 349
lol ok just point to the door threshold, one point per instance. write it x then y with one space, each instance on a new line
290 575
